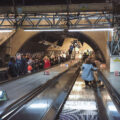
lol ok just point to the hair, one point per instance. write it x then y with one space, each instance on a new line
12 59
88 61
46 58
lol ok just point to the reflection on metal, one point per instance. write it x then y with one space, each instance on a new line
112 111
80 105
38 105
111 106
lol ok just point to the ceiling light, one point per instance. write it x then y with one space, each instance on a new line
87 30
43 30
5 31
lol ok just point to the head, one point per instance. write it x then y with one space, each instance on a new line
87 61
12 59
46 58
18 56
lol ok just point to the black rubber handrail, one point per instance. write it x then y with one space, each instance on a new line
102 112
58 107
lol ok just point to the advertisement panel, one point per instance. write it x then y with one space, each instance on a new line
114 64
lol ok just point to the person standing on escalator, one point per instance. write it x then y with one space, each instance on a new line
46 65
12 69
87 72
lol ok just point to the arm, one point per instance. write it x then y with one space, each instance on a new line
94 68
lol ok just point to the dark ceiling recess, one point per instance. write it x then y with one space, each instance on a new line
37 43
46 2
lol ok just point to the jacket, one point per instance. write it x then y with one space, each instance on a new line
87 72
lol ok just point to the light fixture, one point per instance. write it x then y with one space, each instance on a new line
1 31
87 30
69 30
43 30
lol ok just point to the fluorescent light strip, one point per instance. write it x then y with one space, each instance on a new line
70 30
44 30
100 29
5 31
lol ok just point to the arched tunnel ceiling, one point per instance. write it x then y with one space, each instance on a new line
4 36
47 2
43 40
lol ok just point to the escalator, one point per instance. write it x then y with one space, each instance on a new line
43 103
88 104
81 104
67 98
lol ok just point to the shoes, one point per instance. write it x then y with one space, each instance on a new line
101 86
87 86
92 85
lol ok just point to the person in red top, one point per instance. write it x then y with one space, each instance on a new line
46 65
46 62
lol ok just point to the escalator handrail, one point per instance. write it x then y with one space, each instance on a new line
20 102
113 93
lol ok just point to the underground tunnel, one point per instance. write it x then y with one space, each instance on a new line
39 43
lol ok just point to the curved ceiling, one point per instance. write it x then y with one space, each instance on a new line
47 2
43 40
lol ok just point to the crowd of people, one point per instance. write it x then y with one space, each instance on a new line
27 63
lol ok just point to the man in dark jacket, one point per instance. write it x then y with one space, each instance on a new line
12 70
